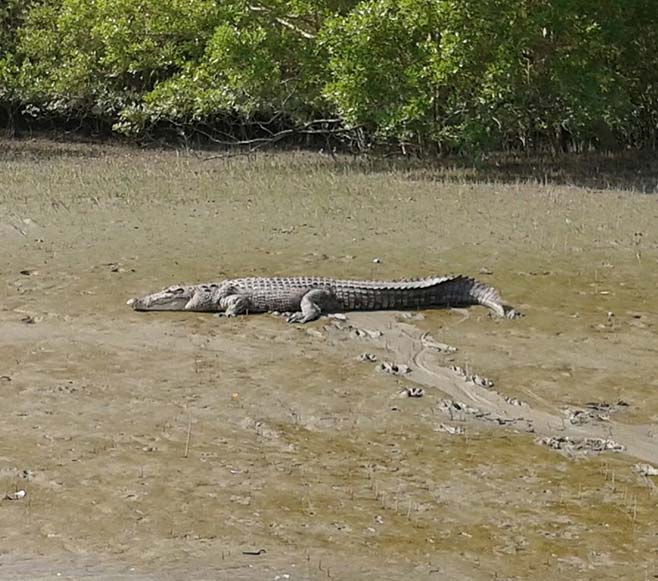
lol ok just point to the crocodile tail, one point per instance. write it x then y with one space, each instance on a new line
469 291
487 296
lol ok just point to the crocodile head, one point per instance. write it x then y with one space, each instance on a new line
173 298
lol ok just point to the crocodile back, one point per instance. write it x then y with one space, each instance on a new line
308 282
285 293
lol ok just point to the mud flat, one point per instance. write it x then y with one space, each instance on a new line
153 445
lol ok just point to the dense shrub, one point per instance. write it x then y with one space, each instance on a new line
429 75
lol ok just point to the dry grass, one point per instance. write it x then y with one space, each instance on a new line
625 171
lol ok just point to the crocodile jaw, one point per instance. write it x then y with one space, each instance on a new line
170 299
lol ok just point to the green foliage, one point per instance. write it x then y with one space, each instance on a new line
11 19
248 66
455 74
483 73
104 55
261 60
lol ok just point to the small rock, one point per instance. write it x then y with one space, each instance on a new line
412 392
18 495
646 469
338 316
367 357
376 260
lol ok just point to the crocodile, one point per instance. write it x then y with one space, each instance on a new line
306 298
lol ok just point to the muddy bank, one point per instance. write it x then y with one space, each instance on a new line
166 443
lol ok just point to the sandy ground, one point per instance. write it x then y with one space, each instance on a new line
170 445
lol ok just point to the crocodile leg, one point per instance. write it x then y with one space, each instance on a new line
201 301
234 305
312 304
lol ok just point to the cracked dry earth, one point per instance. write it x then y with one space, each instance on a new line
179 445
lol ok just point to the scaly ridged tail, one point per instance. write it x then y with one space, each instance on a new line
463 291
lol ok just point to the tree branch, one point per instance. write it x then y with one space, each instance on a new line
309 128
283 21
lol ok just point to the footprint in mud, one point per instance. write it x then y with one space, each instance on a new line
584 446
412 345
580 417
460 409
593 412
394 368
365 333
412 392
474 379
338 323
514 401
430 343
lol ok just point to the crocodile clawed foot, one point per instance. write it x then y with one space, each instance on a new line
511 313
297 317
507 313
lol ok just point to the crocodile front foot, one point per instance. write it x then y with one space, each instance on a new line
300 317
511 313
